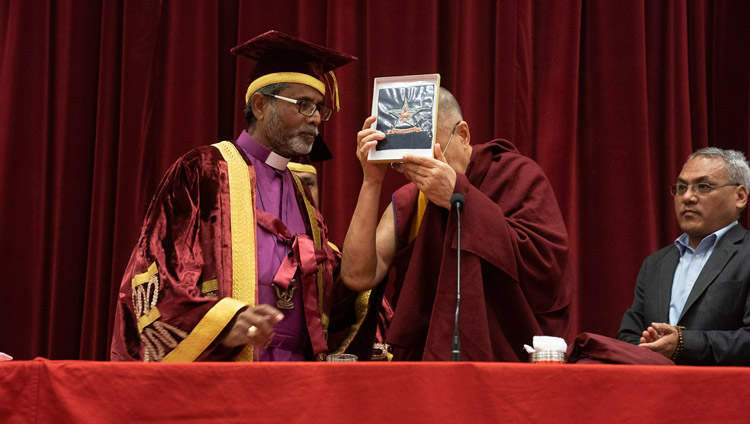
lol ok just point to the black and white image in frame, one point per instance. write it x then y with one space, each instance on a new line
405 116
399 108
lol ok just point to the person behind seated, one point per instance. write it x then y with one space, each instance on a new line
514 246
692 298
302 166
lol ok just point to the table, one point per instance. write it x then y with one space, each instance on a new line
44 391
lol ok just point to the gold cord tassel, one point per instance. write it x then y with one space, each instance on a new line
335 91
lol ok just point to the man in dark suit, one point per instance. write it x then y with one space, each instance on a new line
692 298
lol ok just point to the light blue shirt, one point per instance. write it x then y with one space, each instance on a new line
689 268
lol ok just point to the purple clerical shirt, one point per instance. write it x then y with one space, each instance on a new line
275 195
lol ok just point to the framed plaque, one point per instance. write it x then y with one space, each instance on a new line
406 108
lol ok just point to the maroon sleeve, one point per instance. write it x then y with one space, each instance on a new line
160 300
511 219
404 201
597 349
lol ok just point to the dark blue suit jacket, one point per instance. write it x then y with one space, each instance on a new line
717 311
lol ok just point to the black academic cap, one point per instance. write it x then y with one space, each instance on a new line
319 152
283 58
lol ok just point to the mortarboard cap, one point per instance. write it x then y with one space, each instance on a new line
319 152
283 58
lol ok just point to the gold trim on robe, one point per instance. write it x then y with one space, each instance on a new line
241 198
417 221
209 286
315 230
148 319
208 328
334 247
360 311
361 303
143 277
145 295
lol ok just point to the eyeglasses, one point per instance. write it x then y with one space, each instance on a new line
451 137
307 107
699 189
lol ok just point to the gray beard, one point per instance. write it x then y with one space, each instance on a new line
286 142
299 145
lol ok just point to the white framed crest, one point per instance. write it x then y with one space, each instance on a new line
406 110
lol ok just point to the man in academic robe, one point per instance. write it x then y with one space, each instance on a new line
232 261
513 240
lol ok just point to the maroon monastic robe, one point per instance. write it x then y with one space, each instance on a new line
514 251
176 299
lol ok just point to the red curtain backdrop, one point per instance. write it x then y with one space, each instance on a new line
98 98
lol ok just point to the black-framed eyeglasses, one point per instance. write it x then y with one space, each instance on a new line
699 189
306 107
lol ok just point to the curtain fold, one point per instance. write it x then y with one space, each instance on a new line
96 101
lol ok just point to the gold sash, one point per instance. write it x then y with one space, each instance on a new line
241 197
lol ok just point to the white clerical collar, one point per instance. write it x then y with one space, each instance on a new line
252 147
276 161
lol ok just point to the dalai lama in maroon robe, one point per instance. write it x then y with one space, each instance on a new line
514 247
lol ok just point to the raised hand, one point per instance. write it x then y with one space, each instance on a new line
434 177
367 138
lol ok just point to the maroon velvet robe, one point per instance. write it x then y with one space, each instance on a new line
514 250
184 251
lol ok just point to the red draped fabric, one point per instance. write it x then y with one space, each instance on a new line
42 391
98 98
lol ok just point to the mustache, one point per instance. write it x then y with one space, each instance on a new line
307 129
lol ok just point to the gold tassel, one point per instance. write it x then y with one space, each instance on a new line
335 91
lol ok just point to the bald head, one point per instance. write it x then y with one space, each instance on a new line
452 132
448 107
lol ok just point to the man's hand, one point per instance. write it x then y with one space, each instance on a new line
650 335
434 177
367 138
261 318
661 338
